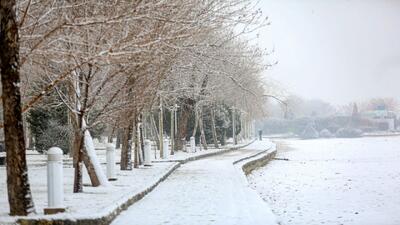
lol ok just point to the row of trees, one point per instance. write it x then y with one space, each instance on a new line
116 64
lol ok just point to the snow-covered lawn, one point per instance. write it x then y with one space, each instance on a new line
93 199
334 181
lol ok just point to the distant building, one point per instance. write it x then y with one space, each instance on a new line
386 120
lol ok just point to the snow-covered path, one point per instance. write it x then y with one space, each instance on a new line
334 181
208 191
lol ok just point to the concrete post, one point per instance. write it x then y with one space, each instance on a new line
110 155
147 153
234 127
165 149
192 145
55 186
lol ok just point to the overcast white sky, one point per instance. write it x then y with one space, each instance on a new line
335 50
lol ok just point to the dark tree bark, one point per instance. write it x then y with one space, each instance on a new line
141 131
214 130
77 163
19 193
184 116
126 151
172 131
136 137
119 137
111 135
80 156
196 121
154 131
202 133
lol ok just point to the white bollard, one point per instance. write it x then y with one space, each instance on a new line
147 153
55 186
192 145
165 148
110 155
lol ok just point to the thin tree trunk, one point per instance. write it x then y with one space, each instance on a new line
119 138
172 130
223 136
26 131
77 153
154 131
141 131
234 127
202 133
111 136
135 138
19 192
196 122
126 151
161 130
71 141
81 156
183 122
139 139
214 130
81 153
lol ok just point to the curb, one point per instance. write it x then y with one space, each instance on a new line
261 159
197 157
193 158
249 164
105 218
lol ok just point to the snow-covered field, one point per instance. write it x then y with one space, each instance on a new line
334 181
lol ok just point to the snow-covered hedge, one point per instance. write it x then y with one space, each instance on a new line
325 133
348 132
309 132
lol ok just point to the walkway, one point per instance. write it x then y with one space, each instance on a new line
207 191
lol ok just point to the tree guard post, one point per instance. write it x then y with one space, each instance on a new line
147 153
110 155
165 148
55 186
192 144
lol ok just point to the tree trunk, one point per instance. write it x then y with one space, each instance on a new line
196 121
26 131
135 138
77 157
141 132
183 122
81 155
172 130
119 137
161 130
126 151
223 136
202 134
111 135
154 131
214 130
234 127
19 192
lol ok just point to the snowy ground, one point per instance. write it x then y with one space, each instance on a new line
208 191
94 199
334 181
